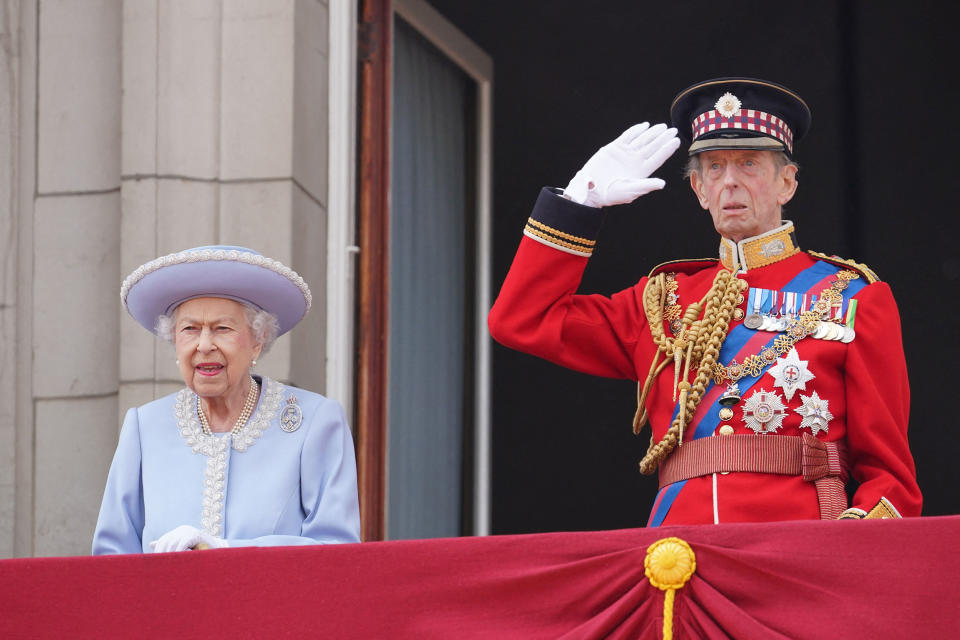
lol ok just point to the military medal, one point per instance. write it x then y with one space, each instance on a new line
775 322
820 333
838 311
764 411
848 332
790 310
754 302
815 412
782 322
768 312
837 320
768 317
292 415
790 373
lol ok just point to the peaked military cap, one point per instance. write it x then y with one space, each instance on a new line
739 113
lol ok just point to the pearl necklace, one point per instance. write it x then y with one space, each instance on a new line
248 406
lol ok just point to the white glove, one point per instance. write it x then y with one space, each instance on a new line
620 172
185 537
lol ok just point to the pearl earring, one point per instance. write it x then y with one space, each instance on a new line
254 363
178 360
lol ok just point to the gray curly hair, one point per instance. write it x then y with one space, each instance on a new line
264 325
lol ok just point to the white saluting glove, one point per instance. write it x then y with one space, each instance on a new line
620 172
186 537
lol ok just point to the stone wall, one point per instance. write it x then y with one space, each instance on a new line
131 129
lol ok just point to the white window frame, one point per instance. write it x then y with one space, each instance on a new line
341 202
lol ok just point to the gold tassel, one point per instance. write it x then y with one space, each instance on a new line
682 416
678 346
669 565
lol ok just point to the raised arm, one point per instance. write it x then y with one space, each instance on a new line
538 311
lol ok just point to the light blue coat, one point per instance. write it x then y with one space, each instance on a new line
265 486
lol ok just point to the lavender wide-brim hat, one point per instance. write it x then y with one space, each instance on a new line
237 273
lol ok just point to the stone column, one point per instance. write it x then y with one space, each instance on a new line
10 100
76 260
218 136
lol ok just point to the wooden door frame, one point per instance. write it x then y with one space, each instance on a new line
374 60
374 44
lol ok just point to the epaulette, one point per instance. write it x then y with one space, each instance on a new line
859 267
687 267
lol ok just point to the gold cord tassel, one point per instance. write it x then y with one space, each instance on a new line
684 391
669 565
705 339
677 359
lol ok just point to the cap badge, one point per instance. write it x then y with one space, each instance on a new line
291 416
728 105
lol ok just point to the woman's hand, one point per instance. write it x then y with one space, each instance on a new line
184 538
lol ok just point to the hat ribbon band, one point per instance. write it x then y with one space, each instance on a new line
745 120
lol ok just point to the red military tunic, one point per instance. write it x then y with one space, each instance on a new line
863 383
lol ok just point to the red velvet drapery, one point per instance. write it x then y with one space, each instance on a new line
849 579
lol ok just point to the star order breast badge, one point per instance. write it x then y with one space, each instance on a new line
816 413
764 411
791 373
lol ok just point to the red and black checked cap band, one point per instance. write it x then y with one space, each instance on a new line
747 120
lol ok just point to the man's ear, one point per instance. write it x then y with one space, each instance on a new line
788 184
696 183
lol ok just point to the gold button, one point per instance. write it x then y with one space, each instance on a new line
726 430
738 314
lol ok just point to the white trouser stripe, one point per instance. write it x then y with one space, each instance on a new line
716 513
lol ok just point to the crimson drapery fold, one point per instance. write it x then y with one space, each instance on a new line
802 579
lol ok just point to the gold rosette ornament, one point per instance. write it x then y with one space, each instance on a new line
669 564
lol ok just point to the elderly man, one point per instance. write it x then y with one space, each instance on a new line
771 376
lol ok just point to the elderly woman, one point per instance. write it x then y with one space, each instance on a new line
233 459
